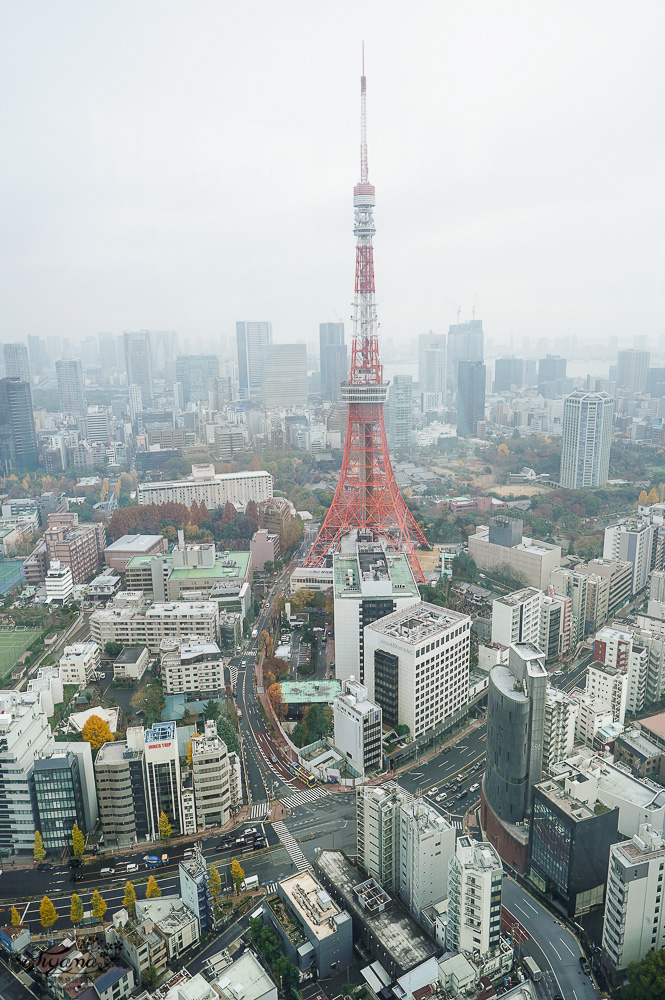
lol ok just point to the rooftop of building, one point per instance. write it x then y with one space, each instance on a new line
169 912
532 545
134 543
615 779
518 597
655 724
388 568
130 654
398 934
79 649
161 732
310 692
204 609
639 744
418 623
189 648
478 855
227 565
567 804
312 904
245 979
203 477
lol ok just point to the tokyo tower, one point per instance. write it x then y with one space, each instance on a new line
367 496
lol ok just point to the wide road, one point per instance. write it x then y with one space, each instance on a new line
550 941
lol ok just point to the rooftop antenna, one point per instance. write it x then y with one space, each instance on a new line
459 309
473 312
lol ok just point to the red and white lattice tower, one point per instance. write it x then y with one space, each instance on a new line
367 496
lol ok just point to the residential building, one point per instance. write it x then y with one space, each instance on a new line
161 768
195 890
597 600
134 402
475 879
502 548
417 666
118 554
59 801
633 369
644 757
264 548
569 845
116 983
192 666
516 617
18 440
69 376
369 583
515 727
140 945
175 923
432 376
619 575
121 793
138 361
555 626
104 586
400 414
559 727
213 490
138 626
624 685
333 360
58 582
609 684
631 541
131 663
245 979
634 921
377 826
569 583
657 586
593 714
426 846
213 778
16 362
252 338
195 372
471 378
357 727
24 733
303 913
587 434
276 515
285 375
79 662
78 546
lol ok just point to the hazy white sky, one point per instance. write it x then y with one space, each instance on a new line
182 165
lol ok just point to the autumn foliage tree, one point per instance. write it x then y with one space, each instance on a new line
164 826
237 874
98 905
278 706
38 849
215 882
16 917
76 910
152 890
97 732
78 841
129 899
47 913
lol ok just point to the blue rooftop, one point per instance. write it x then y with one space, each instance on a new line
160 731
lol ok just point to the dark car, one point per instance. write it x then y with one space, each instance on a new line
75 877
75 862
43 867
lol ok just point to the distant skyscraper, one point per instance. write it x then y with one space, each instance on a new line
465 343
587 435
252 338
334 360
163 346
508 372
138 361
16 361
285 375
135 402
400 409
108 356
470 397
38 355
431 375
551 367
18 441
70 387
632 369
194 372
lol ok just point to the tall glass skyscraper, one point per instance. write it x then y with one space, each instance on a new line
252 338
333 359
138 360
18 441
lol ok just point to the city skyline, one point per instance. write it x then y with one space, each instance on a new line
542 171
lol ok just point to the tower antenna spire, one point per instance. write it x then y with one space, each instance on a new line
363 124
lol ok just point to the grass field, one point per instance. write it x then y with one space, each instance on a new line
11 575
13 644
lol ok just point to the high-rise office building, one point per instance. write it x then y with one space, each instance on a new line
16 361
587 436
471 377
465 343
432 362
551 367
334 360
400 410
38 355
70 387
163 346
252 338
18 441
135 399
138 362
509 373
632 370
58 797
656 383
25 732
285 375
107 344
195 372
161 765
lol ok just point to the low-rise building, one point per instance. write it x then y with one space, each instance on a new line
133 626
640 754
174 921
592 715
116 983
103 587
245 979
502 548
131 664
118 554
192 666
79 662
59 583
357 722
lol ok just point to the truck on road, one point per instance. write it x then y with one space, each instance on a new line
251 882
532 969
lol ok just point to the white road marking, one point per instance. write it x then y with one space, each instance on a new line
554 950
567 946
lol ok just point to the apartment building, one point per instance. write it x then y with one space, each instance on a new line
609 684
417 666
559 726
213 778
121 793
634 921
619 574
205 486
631 541
58 583
516 617
79 662
79 546
192 666
622 650
136 626
475 879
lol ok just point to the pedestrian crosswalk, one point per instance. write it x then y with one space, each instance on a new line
308 795
291 845
271 888
259 809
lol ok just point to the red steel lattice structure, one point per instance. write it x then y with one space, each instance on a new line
367 495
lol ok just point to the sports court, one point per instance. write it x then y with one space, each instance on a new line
13 643
11 575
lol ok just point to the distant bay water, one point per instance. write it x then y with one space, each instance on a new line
598 367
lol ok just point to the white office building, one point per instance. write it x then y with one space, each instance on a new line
369 583
629 656
516 617
79 662
559 727
192 666
587 436
377 831
631 541
475 878
59 583
592 714
213 777
634 921
417 666
426 846
24 733
357 722
205 486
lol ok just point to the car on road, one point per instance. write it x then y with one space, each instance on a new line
433 791
132 868
585 965
107 871
75 877
75 862
43 867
